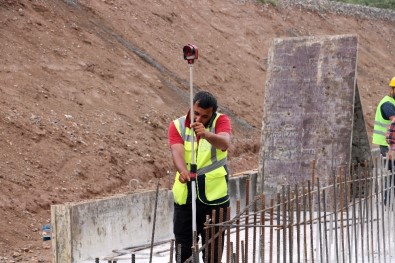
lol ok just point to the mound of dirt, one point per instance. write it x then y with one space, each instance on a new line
88 89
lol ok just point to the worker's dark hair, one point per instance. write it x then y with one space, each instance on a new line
205 100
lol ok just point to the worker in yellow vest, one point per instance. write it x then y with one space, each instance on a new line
385 113
212 133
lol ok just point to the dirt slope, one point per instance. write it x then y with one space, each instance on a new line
88 88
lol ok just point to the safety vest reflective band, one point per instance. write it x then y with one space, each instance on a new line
212 171
381 124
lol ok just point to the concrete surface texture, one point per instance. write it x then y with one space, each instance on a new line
91 229
309 108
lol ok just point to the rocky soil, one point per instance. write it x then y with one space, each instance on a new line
88 89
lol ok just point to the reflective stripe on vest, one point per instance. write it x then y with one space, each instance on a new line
381 124
212 173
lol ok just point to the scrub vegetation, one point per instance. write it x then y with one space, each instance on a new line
386 4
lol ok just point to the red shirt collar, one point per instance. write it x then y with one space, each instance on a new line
188 120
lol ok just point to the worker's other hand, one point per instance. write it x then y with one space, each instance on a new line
184 177
199 129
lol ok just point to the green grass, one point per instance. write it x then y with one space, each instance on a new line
271 2
386 4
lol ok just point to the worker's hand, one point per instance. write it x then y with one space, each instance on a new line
184 177
199 129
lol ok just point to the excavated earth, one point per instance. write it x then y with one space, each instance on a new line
88 89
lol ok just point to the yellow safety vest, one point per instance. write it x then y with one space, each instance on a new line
381 124
212 171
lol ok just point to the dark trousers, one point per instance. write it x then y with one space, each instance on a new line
388 181
183 228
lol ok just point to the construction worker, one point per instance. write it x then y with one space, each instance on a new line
385 113
213 137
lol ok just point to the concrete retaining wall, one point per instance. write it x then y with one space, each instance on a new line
85 230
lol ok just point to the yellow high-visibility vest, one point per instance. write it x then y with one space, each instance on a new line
212 171
381 124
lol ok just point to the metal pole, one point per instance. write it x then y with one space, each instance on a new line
154 223
193 163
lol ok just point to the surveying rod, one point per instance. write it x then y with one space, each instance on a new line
190 54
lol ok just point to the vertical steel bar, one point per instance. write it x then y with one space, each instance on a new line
346 200
304 224
290 214
154 221
221 221
312 203
262 243
171 251
361 218
212 245
277 229
366 196
354 212
243 254
388 208
325 226
336 218
341 206
377 191
311 220
319 218
271 230
391 209
331 234
246 228
383 171
254 231
284 223
233 257
207 233
237 231
297 221
228 245
371 195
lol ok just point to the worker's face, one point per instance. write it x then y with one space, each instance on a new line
202 115
392 92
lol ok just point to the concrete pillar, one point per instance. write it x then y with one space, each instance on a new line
309 109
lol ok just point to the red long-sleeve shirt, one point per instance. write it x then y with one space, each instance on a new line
223 125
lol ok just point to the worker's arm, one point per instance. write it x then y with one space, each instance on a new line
390 138
177 151
388 110
220 141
